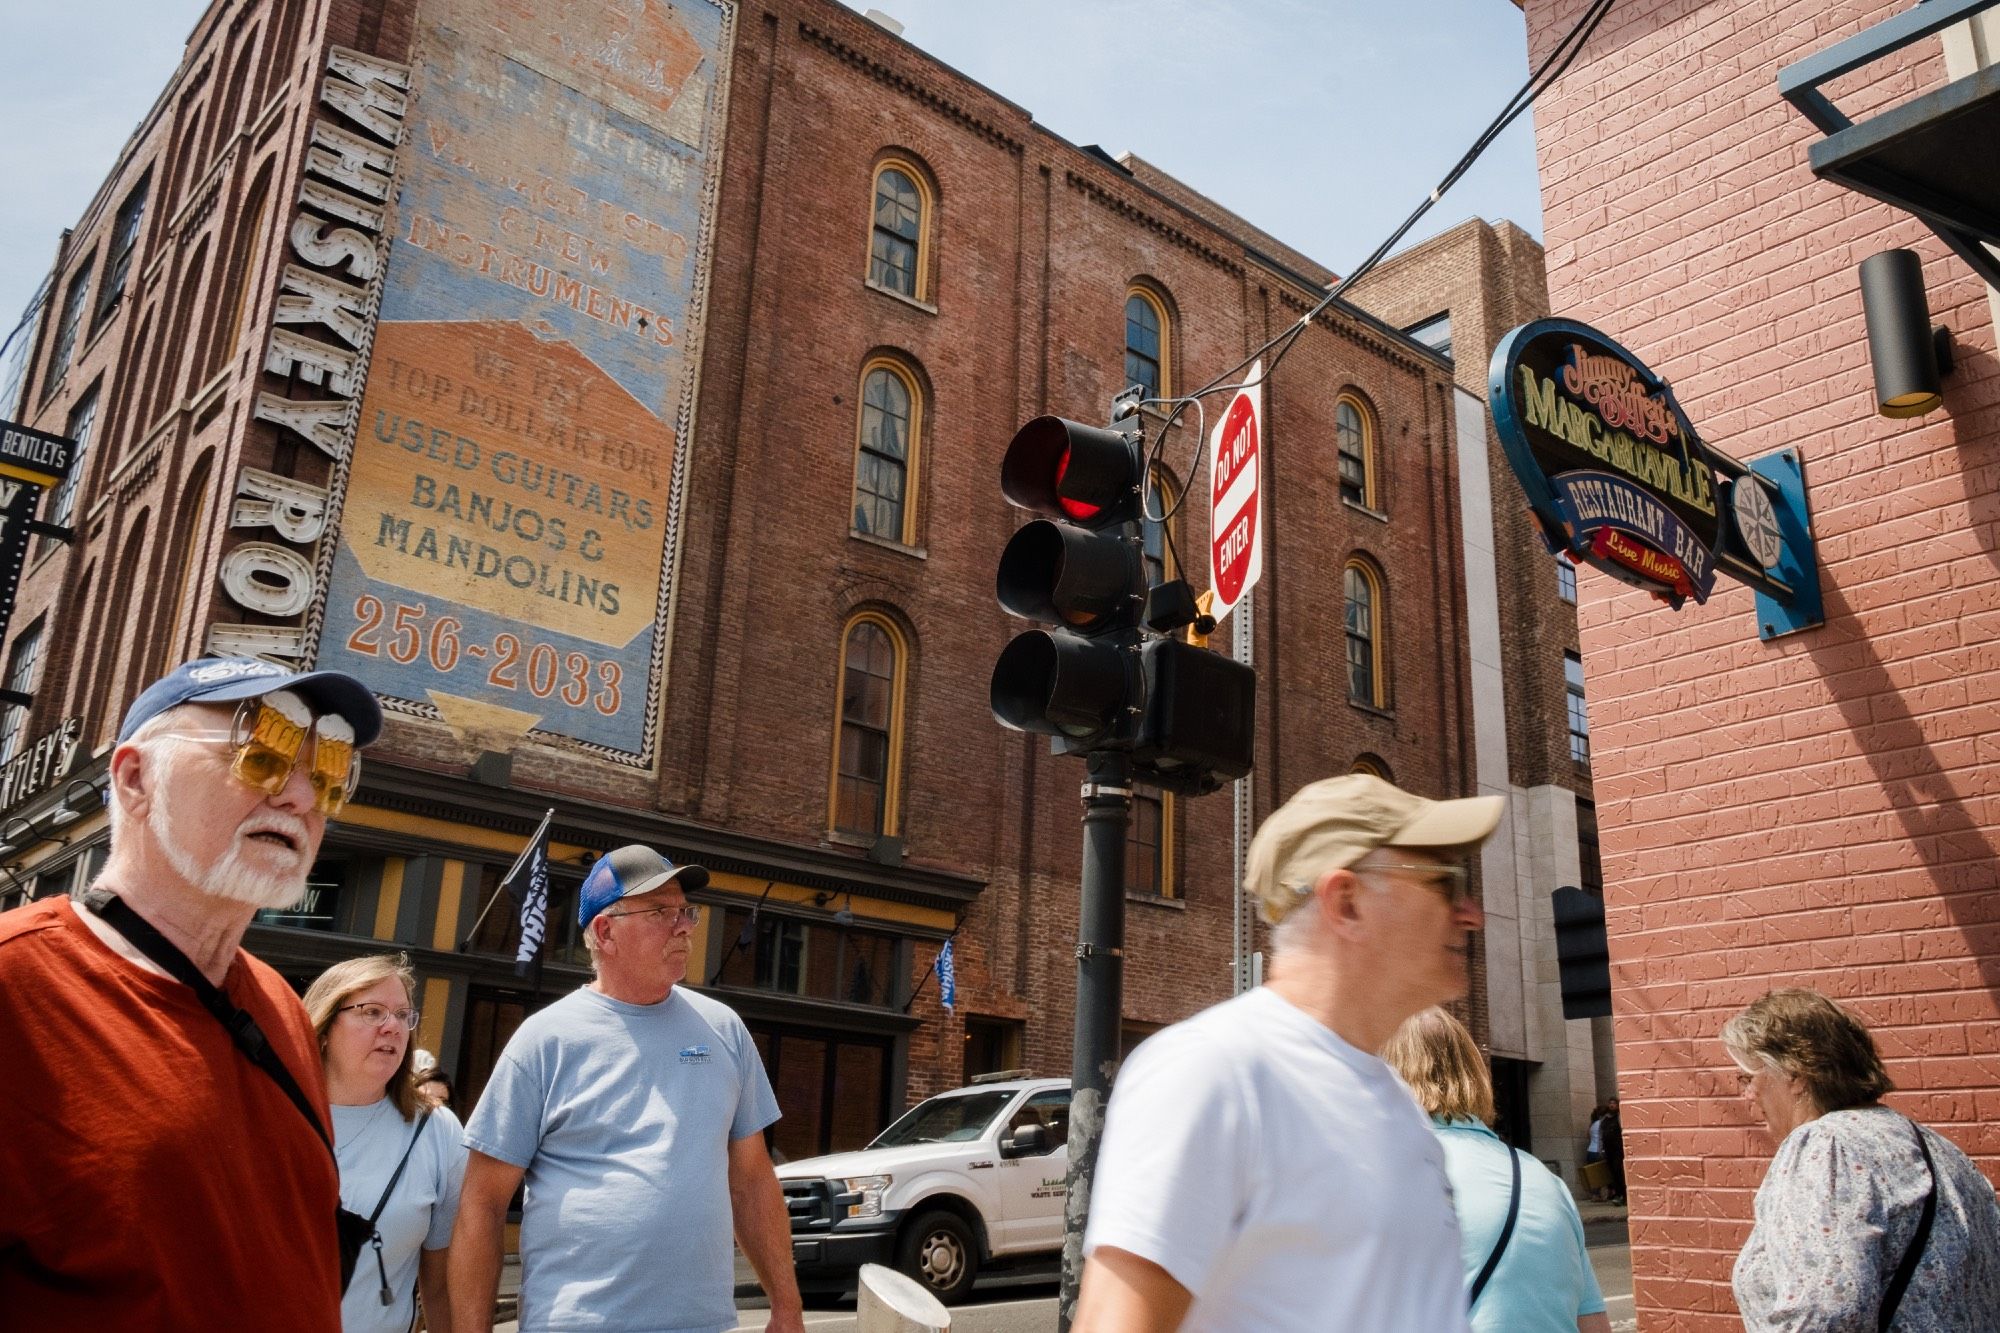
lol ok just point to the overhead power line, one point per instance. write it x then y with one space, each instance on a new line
1554 65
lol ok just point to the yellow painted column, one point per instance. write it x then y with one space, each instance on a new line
451 891
389 898
698 945
435 1007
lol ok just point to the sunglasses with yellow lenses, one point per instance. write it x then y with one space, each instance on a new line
267 747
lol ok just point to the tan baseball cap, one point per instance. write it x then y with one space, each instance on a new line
1333 823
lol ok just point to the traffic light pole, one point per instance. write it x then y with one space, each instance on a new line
1100 981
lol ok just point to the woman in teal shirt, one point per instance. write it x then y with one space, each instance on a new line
1541 1280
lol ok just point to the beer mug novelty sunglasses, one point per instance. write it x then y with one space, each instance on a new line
268 745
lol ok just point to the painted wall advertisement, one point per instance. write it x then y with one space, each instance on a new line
511 510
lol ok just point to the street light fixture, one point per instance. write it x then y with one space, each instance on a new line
79 798
10 842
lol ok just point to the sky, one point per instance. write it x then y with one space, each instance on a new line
1324 122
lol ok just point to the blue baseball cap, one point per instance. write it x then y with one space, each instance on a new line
626 872
221 680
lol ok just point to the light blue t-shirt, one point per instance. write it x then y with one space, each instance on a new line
368 1141
622 1115
1544 1280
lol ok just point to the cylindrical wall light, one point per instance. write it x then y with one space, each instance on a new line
1907 352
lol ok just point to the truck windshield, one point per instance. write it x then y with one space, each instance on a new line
944 1120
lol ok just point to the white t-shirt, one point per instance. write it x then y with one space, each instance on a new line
1285 1178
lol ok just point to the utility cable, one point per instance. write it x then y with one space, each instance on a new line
1554 65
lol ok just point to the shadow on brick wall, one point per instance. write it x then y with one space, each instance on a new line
1926 793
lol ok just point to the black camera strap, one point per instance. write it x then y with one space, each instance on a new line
1506 1232
242 1028
1907 1269
375 1238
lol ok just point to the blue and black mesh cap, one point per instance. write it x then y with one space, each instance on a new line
221 680
626 871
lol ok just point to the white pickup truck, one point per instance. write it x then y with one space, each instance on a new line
968 1178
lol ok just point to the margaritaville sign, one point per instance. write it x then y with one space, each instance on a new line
1610 464
1618 479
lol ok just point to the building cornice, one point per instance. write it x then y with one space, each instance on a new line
909 87
1125 208
1358 326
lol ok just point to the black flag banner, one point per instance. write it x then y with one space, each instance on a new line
528 881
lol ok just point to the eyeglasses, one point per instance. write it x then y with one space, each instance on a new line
675 915
1453 881
268 746
374 1014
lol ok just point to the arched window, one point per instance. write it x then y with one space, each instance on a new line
885 459
1354 429
161 392
1147 332
241 274
897 247
187 149
1149 840
1155 549
278 52
868 727
187 535
1149 843
1362 587
125 398
1373 766
114 686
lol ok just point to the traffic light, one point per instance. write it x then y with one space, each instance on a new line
1583 953
1080 570
1103 675
1199 724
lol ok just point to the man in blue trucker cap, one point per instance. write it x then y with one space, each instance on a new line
156 1173
634 1109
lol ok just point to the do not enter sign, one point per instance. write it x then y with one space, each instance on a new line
1236 536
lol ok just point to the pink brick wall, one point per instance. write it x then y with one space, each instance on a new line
1818 810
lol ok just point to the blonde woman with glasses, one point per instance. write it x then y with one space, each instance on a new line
1520 1238
401 1159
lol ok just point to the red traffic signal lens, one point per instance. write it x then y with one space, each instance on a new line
1085 474
1079 510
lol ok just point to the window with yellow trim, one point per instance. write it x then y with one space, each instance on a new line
1155 549
1148 839
867 728
1373 766
1354 434
1362 589
1149 843
886 453
897 247
1148 335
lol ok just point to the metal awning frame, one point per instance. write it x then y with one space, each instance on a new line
1800 85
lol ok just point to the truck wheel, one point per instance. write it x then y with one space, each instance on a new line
938 1250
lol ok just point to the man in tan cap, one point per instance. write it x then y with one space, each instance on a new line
1261 1167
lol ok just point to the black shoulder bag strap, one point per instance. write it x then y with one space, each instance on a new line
352 1231
1506 1232
1907 1269
375 1233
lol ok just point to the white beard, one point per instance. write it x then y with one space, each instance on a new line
224 876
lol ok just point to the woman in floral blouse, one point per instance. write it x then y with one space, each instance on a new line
1845 1197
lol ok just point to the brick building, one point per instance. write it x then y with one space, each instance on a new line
1817 808
623 398
1460 292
